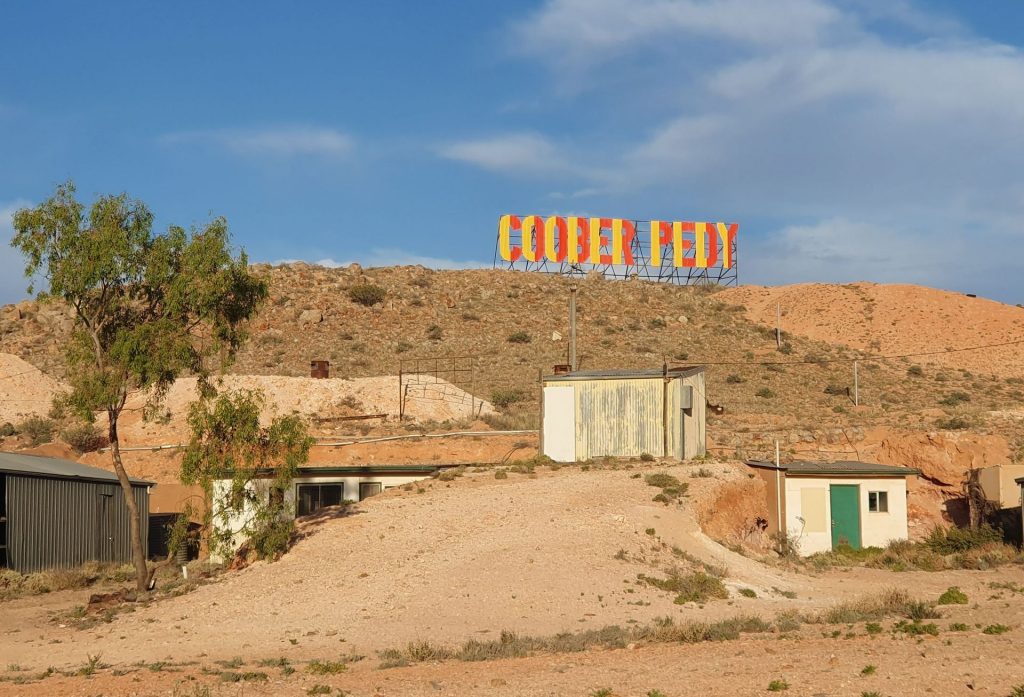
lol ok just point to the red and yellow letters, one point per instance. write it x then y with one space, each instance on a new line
604 241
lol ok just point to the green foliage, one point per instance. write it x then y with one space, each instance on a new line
778 686
954 423
953 596
37 429
995 629
519 337
696 587
229 443
954 540
868 670
85 438
147 307
319 689
916 628
366 294
748 592
915 371
1017 691
504 397
646 457
7 429
959 627
661 480
317 667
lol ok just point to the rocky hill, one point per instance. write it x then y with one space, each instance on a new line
511 326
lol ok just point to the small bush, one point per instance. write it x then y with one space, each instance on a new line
696 587
915 371
646 457
916 628
778 686
834 389
764 393
662 480
85 438
748 592
319 690
504 397
868 670
954 423
37 429
435 333
273 538
954 540
7 430
734 379
786 348
955 398
500 474
960 627
953 596
656 323
367 294
995 629
519 337
317 667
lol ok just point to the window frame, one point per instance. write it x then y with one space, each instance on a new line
881 501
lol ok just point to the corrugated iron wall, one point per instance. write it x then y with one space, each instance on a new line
622 418
61 523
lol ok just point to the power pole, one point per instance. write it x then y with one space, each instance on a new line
572 326
778 325
856 386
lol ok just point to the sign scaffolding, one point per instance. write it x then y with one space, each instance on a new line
683 253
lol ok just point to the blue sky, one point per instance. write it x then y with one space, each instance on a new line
851 140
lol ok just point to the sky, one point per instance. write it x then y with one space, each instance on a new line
850 139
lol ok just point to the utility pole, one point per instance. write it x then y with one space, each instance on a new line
856 386
778 325
572 326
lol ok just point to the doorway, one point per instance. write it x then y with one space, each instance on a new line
844 500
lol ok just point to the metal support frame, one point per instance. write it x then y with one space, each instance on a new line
431 378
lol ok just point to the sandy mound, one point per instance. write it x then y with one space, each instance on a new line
895 320
24 389
317 399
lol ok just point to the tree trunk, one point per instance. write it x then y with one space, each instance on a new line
134 522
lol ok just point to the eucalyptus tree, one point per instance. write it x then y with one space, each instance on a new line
148 307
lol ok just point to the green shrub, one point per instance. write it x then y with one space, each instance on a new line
748 592
7 430
955 398
272 538
868 670
995 629
696 587
778 686
38 430
954 423
954 540
317 667
656 323
734 379
85 438
519 337
662 480
319 690
435 333
953 596
834 389
916 628
504 397
960 627
500 474
915 371
786 348
367 294
646 457
764 393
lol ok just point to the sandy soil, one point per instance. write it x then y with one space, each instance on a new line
537 555
894 320
24 389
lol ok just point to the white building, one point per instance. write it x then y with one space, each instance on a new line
313 490
825 504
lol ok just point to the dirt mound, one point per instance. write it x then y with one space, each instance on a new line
895 320
316 399
24 389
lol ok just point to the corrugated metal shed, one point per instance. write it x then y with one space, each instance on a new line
624 413
57 513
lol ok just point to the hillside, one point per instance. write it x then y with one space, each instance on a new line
800 396
895 320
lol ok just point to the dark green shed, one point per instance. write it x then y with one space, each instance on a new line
58 514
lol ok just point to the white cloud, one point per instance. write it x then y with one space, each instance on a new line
513 153
381 256
12 265
281 142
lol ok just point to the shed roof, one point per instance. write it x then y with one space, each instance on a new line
55 468
681 372
844 467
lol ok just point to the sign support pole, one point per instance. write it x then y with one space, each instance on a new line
856 386
572 326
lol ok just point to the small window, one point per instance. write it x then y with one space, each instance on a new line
878 501
368 489
313 497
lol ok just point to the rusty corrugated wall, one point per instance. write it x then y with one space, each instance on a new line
61 523
621 418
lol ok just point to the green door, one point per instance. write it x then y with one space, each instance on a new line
845 502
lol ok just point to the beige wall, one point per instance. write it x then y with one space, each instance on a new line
999 484
808 511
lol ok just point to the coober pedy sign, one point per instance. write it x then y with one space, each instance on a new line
672 251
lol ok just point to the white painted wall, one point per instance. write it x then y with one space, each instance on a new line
877 529
560 422
261 488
